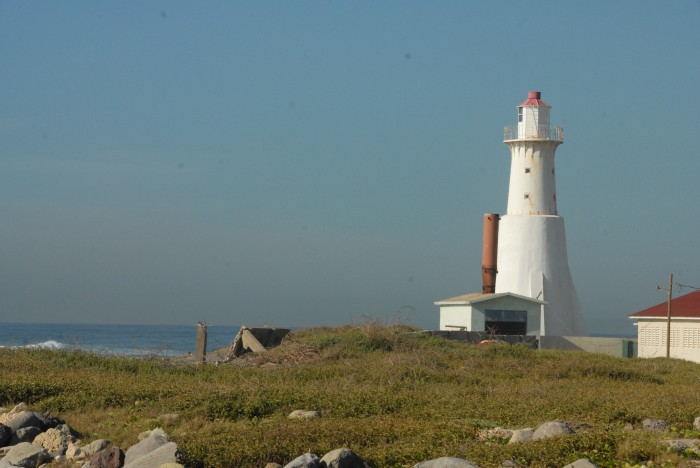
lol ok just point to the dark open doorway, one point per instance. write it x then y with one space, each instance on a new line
505 322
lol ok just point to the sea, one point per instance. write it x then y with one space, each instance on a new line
121 340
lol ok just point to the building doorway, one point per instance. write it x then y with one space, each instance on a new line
505 322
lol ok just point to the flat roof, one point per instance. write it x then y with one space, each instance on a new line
473 298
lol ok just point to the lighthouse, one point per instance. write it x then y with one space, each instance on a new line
532 259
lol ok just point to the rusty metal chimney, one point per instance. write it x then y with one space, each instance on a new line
489 256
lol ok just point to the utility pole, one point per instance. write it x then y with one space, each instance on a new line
668 317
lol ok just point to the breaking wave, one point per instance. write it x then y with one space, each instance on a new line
50 344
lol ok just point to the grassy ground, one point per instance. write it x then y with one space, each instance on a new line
393 396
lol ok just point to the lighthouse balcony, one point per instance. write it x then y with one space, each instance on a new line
533 132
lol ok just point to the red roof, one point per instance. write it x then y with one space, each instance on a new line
533 99
687 305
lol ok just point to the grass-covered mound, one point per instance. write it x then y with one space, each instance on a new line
396 397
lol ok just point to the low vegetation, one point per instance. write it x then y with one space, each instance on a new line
393 395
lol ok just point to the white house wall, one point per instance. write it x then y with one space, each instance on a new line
471 317
455 315
507 303
685 338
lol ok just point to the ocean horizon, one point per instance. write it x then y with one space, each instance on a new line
123 340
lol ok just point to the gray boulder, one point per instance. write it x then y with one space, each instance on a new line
342 458
696 423
654 425
26 434
162 455
95 446
521 435
27 455
147 445
27 419
112 457
551 429
446 462
582 463
308 460
5 435
681 445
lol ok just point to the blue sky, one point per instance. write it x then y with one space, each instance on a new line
315 162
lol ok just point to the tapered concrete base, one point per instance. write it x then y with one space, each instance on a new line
532 261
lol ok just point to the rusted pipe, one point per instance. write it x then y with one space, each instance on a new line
489 255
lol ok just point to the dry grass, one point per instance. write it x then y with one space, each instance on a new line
395 396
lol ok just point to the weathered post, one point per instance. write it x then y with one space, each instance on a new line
201 349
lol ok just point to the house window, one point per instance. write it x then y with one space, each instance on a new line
520 114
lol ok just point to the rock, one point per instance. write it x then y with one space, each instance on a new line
342 458
157 431
112 457
53 421
551 429
27 455
304 414
95 446
509 464
147 445
681 445
655 425
54 439
308 460
696 423
172 465
582 463
26 419
521 435
446 462
5 435
26 434
74 452
163 454
19 408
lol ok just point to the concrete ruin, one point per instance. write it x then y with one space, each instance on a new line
255 340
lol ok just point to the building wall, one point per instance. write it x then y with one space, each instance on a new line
471 317
618 347
456 315
507 303
685 338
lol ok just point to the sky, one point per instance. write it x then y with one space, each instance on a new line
324 162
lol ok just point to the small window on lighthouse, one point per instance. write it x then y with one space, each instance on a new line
527 170
520 114
527 195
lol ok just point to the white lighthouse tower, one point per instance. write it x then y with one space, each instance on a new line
532 259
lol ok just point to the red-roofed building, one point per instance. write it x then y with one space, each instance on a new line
685 328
